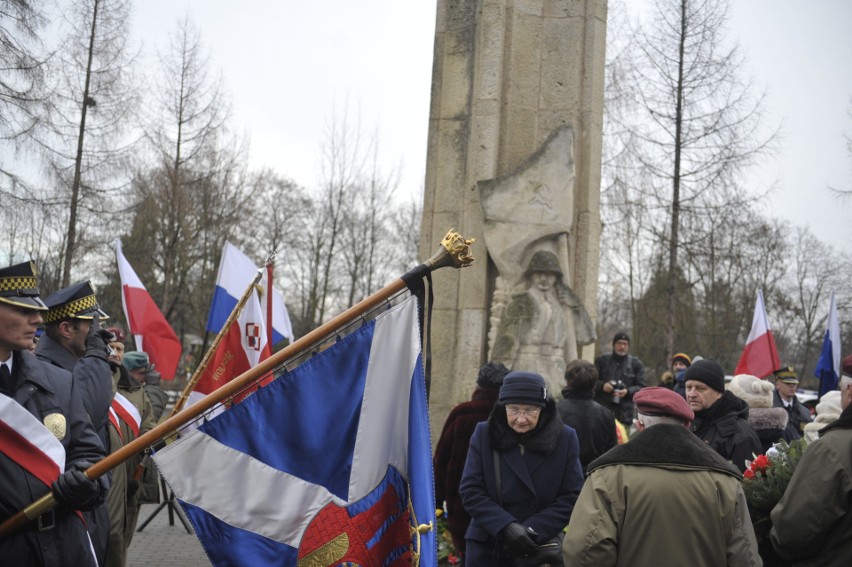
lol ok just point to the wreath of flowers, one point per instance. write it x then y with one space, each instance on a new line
764 482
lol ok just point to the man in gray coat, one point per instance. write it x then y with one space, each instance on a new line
686 505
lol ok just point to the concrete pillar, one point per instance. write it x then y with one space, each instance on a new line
506 74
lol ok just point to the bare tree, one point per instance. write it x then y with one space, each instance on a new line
694 122
22 92
195 190
87 135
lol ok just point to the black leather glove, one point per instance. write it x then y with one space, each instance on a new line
75 491
516 539
97 341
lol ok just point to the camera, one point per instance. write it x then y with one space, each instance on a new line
617 385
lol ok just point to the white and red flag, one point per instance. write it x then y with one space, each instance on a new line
760 356
149 327
243 347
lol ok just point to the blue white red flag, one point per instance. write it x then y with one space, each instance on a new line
236 272
330 464
828 366
243 347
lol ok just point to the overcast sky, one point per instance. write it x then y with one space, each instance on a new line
289 64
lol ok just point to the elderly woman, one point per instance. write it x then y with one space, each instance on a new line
537 457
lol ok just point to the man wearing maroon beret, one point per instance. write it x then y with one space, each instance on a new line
663 499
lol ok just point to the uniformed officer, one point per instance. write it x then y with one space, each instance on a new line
786 383
75 341
49 439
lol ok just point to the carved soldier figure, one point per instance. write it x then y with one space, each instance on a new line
537 331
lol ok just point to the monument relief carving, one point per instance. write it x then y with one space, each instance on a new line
537 320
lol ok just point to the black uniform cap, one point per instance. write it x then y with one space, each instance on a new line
19 286
75 302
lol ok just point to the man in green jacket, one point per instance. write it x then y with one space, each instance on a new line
812 524
664 499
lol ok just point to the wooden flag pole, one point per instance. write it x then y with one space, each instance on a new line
454 251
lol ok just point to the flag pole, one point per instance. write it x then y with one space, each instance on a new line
454 251
202 366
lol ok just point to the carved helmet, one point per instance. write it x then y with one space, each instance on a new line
544 261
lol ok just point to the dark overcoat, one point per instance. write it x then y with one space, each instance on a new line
450 455
539 485
43 390
594 424
92 376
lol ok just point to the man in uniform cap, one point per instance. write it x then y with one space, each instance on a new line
721 418
75 341
786 383
684 498
44 406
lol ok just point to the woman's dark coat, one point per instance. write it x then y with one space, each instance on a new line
538 488
594 424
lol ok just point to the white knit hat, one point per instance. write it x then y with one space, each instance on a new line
829 405
755 392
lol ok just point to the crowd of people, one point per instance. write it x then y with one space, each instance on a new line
527 480
69 396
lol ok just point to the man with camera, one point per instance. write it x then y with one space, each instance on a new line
620 376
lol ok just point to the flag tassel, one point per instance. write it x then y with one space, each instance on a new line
454 251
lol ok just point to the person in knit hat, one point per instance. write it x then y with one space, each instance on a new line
531 499
451 451
620 376
664 498
721 418
827 410
769 423
673 377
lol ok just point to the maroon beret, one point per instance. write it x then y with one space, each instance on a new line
662 401
846 365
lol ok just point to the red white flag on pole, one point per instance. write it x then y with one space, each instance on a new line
760 356
243 347
149 327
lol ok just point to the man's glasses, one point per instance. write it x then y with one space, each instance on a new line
528 413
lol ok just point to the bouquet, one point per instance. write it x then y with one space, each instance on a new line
765 480
447 554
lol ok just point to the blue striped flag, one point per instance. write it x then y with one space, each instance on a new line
828 366
329 464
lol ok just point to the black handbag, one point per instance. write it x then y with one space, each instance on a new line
545 555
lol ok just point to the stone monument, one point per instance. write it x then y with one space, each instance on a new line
514 156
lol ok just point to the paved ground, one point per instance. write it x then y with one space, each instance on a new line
162 545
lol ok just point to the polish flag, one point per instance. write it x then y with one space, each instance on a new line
149 327
760 357
243 347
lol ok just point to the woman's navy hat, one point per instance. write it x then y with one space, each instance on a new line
523 388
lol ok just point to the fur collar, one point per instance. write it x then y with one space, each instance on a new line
768 418
665 444
542 439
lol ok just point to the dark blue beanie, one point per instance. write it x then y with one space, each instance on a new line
523 388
